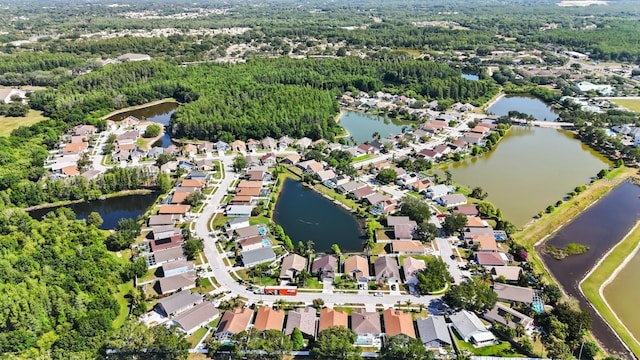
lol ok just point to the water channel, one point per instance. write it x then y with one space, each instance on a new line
600 227
531 167
111 209
362 126
159 113
306 215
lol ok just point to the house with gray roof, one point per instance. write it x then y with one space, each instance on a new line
196 317
171 284
304 319
350 187
499 314
386 268
367 327
325 267
292 265
452 200
178 303
433 332
254 257
511 293
471 329
176 268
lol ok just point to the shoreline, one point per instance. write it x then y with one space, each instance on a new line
102 197
491 102
138 107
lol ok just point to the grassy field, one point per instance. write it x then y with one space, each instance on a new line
123 290
196 337
631 104
504 348
7 124
591 286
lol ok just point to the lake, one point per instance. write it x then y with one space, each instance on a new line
600 227
160 113
529 169
111 209
306 215
362 126
472 77
524 104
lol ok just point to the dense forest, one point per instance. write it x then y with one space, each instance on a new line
260 97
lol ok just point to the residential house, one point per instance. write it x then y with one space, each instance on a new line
469 210
404 231
397 322
325 175
164 243
311 166
256 175
246 232
190 150
222 146
251 243
167 285
412 247
178 303
473 138
512 293
238 210
75 148
393 221
205 147
268 159
362 193
233 322
198 176
169 167
195 318
386 269
128 137
172 150
479 129
471 329
204 165
452 200
377 198
330 318
510 274
438 191
85 130
475 231
304 319
434 333
458 145
284 142
350 187
421 185
325 267
176 268
483 242
70 170
155 220
291 159
269 143
90 174
269 319
509 317
174 209
292 265
258 256
358 267
252 160
386 207
155 152
380 166
129 121
164 232
407 180
429 154
490 259
195 183
367 326
334 146
365 149
160 257
411 267
303 143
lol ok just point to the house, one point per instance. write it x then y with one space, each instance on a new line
350 187
252 145
483 242
452 200
85 130
174 209
363 193
585 86
367 326
303 143
90 174
160 257
269 319
269 143
330 318
178 302
236 223
246 232
433 332
385 207
251 243
75 148
205 147
70 170
421 185
458 145
169 167
365 149
252 160
512 293
196 183
258 256
268 159
190 150
129 121
510 274
479 129
438 191
239 210
166 242
499 314
469 210
311 166
376 198
403 232
429 154
164 232
292 265
155 152
325 175
284 142
472 138
195 318
291 159
358 267
204 164
222 146
128 137
304 319
386 269
171 284
397 322
490 259
133 57
176 268
471 329
155 220
470 232
400 220
411 267
325 267
402 247
233 322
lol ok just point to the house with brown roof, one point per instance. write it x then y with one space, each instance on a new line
483 242
475 221
291 159
304 319
473 138
75 148
469 210
85 130
411 267
330 318
193 183
358 267
397 322
190 150
269 143
238 146
367 149
233 322
510 274
363 193
303 143
249 184
292 265
404 231
179 197
252 144
387 206
403 247
269 319
490 258
268 159
325 267
368 327
251 243
386 269
70 170
174 209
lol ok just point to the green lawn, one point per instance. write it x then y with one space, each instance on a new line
352 204
196 337
259 220
502 349
313 283
361 158
631 104
264 281
123 290
8 124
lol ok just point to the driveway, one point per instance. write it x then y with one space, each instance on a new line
446 251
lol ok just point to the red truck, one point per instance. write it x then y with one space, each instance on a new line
281 290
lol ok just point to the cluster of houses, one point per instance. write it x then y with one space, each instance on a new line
71 151
252 241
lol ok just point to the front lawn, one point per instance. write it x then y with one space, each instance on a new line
503 349
195 338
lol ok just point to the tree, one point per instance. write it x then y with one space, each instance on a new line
164 184
335 342
152 131
318 303
269 344
134 341
94 219
428 231
336 249
478 193
448 177
590 350
386 176
472 295
404 347
434 276
551 294
415 209
164 158
194 198
297 339
239 163
454 223
193 247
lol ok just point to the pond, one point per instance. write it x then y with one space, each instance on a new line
524 104
111 209
306 215
362 126
472 77
600 227
529 169
159 113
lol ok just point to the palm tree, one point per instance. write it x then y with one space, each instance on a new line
408 302
507 318
310 245
520 331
